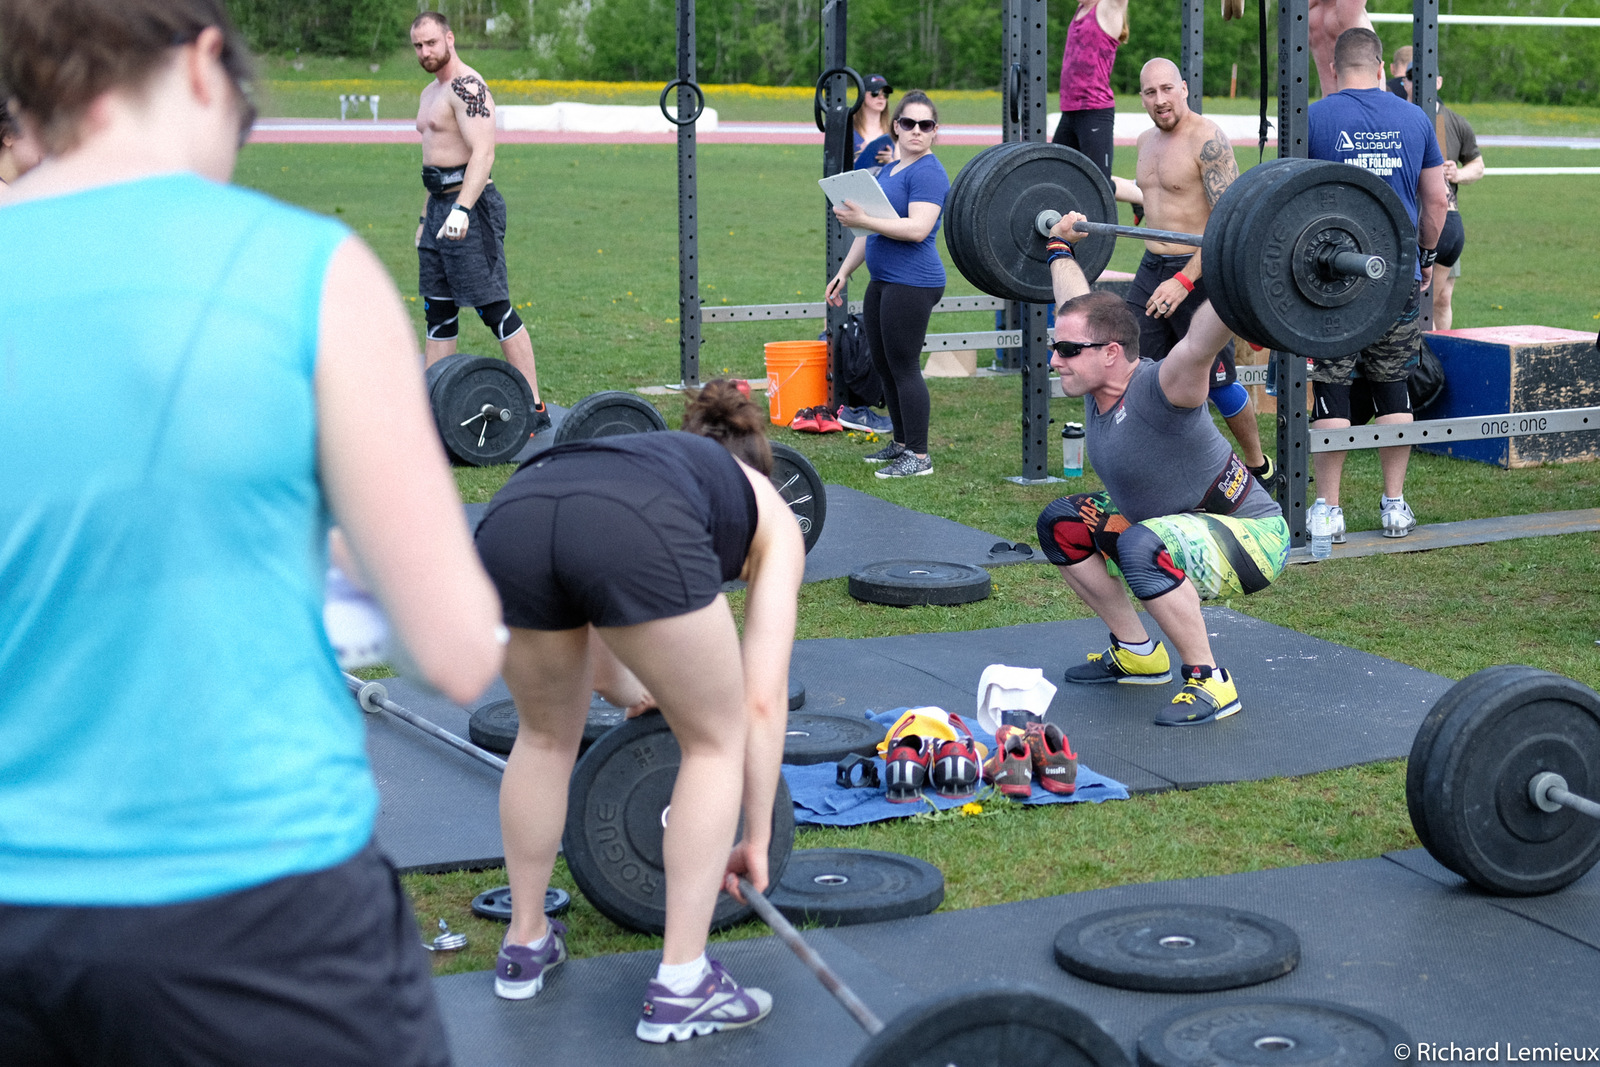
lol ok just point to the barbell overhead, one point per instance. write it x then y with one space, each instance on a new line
1302 256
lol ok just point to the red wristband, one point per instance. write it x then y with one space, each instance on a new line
1184 281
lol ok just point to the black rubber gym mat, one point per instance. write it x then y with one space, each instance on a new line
1447 966
587 1010
1309 705
1574 911
439 809
862 529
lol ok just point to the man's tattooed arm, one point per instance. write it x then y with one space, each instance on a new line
1218 168
474 94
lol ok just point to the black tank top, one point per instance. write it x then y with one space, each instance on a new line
699 469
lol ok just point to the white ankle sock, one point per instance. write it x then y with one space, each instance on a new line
681 978
541 942
1143 648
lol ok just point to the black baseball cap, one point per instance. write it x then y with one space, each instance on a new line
877 83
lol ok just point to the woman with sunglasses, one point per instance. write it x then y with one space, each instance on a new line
907 281
871 126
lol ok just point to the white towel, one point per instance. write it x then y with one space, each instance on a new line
1003 688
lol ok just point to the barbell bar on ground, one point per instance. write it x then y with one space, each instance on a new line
990 1025
1548 791
373 698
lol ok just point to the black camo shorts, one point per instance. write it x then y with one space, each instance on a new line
471 271
1388 359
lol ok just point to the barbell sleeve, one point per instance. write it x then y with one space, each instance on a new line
791 937
1548 791
1357 263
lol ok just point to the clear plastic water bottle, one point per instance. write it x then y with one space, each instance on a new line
1072 450
1321 527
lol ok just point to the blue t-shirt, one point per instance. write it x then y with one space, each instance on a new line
1377 130
175 723
905 262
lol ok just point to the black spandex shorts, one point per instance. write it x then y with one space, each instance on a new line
591 538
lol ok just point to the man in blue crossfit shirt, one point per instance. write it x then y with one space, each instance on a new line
1366 125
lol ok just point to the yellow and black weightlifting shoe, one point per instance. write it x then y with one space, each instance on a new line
1208 694
1117 664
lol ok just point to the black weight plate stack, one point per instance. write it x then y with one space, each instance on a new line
482 407
1258 1033
846 886
1274 290
904 583
999 248
992 1025
616 812
496 903
797 694
1236 202
1177 948
797 481
828 739
1422 744
1480 820
607 414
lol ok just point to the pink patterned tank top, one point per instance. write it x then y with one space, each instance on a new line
1086 65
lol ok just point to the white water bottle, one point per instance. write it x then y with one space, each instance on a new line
1321 527
1072 450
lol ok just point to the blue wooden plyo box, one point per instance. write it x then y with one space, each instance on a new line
1502 370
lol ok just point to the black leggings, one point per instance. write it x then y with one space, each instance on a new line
896 321
1090 133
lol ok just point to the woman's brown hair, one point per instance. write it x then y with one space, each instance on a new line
915 96
722 412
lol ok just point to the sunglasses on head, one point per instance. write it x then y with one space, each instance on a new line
1068 349
925 125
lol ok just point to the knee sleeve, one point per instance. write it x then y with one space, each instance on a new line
443 317
1063 534
1146 564
1332 400
1390 398
501 318
1230 399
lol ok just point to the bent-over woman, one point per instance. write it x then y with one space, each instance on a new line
907 281
610 555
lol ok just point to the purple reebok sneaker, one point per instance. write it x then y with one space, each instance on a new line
519 971
717 1004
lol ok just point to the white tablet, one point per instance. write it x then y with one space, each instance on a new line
861 187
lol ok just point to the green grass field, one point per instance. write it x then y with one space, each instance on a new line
592 257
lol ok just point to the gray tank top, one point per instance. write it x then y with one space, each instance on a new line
1159 459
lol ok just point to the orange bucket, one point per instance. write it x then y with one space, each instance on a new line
797 377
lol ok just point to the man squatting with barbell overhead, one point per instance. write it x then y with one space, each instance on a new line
1180 515
1185 165
462 231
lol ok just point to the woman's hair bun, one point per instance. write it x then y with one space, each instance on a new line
723 412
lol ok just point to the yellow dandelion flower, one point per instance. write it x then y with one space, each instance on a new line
972 809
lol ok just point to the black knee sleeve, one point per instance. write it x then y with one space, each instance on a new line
1332 400
501 318
1390 398
1063 535
443 317
1147 566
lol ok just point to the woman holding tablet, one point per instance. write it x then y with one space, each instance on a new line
907 280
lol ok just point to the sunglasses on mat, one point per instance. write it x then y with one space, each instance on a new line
925 125
1068 349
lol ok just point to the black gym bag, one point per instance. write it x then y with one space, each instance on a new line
848 352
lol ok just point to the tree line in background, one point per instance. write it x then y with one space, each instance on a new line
934 44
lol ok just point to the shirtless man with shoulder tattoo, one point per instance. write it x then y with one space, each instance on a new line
461 233
1185 164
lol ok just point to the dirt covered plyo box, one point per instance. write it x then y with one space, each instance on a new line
1504 370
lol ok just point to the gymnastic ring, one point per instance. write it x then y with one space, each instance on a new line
700 106
816 101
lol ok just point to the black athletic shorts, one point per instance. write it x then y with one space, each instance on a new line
324 968
1157 337
594 538
471 271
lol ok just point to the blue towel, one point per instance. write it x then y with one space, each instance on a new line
820 801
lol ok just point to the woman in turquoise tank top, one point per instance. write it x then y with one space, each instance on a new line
186 873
